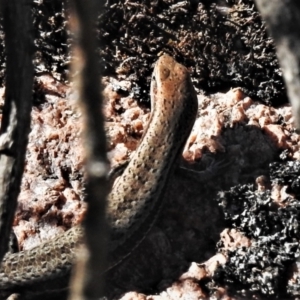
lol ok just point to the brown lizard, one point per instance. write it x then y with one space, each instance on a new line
136 198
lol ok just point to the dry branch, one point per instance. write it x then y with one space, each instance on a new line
16 112
283 21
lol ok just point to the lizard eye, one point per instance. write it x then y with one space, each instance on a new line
164 74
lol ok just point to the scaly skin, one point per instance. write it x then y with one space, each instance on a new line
136 199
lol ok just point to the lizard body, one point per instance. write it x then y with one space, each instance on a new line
137 196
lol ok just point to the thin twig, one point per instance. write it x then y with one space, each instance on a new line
97 164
